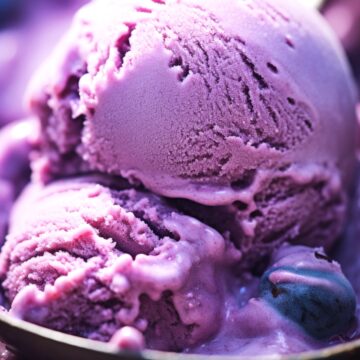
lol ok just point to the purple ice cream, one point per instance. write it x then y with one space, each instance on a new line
187 153
194 103
107 63
90 259
97 259
287 208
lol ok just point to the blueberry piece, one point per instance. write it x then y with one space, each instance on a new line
322 302
10 11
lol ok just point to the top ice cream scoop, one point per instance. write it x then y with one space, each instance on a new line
192 98
248 105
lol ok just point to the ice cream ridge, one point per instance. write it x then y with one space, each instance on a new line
192 173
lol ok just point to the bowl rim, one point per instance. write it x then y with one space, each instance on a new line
21 326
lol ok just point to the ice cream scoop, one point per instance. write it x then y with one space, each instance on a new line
194 103
96 258
88 259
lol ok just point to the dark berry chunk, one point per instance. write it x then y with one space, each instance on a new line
322 302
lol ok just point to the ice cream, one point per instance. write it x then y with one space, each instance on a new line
304 211
188 152
28 32
94 256
193 103
131 52
90 260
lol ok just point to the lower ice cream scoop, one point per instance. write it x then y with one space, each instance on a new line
90 259
97 258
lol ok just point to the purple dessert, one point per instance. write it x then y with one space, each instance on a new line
98 259
192 171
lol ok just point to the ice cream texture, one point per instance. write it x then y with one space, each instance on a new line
229 105
94 259
193 168
94 256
